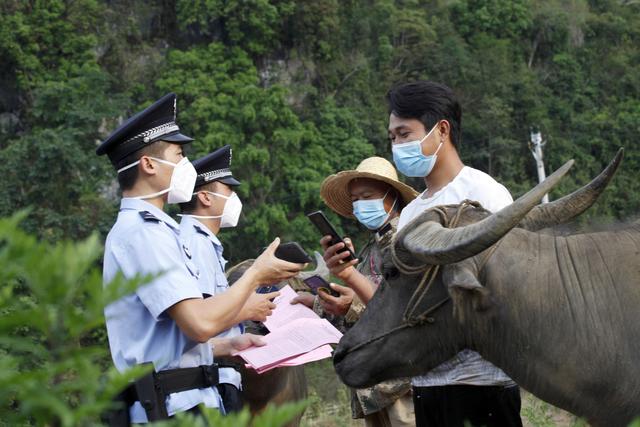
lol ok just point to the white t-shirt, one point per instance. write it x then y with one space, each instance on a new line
467 367
469 184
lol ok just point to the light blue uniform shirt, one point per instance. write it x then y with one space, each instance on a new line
206 251
145 240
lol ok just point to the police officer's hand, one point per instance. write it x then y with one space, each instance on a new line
338 306
244 341
267 269
336 260
259 306
224 347
304 298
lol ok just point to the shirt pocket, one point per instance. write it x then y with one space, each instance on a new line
221 283
187 258
192 269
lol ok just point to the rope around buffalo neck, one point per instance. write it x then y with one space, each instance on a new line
429 276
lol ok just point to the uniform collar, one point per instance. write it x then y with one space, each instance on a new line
189 221
130 203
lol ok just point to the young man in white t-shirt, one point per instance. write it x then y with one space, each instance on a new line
424 128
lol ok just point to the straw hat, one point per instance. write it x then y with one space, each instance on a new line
335 188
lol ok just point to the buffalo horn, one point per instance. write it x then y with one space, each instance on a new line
435 245
565 209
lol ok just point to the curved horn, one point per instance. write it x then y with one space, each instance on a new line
434 244
570 206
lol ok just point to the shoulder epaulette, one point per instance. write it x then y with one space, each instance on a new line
200 230
148 216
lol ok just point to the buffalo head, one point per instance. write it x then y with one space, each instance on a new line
391 341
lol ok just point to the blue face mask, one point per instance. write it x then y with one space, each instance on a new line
371 213
409 159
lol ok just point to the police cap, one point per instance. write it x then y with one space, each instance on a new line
155 123
215 166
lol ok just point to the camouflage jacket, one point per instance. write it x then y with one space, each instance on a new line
373 399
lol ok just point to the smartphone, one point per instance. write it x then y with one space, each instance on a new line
292 252
326 229
267 289
316 283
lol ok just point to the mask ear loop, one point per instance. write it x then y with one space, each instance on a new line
130 165
152 195
208 216
394 202
429 133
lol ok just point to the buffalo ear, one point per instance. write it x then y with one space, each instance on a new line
463 285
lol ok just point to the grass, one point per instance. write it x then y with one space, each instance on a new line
330 404
330 399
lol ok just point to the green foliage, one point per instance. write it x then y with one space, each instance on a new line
271 416
279 158
47 158
253 25
498 18
297 88
44 41
51 303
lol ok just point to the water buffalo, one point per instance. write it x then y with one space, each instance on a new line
560 314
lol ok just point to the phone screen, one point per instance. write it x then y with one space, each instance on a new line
326 229
317 283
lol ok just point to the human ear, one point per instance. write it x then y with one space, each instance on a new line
146 166
204 198
444 130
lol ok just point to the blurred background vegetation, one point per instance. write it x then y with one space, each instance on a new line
297 88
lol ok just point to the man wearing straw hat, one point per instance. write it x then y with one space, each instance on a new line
374 196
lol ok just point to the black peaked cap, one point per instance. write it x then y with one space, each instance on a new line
215 166
155 123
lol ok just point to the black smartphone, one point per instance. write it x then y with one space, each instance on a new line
267 289
292 252
326 229
317 283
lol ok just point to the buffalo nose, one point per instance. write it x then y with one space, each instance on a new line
338 354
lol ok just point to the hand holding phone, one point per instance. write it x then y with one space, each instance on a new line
292 252
317 283
268 269
321 222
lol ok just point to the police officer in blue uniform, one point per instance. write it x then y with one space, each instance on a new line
166 322
215 205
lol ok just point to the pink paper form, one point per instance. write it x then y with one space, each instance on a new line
297 337
285 312
323 352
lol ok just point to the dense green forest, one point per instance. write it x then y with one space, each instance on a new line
298 89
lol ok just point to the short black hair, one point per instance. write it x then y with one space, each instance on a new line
191 205
127 178
428 102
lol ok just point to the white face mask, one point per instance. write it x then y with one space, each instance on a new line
183 180
230 212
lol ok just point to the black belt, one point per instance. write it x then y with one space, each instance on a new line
183 379
152 389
